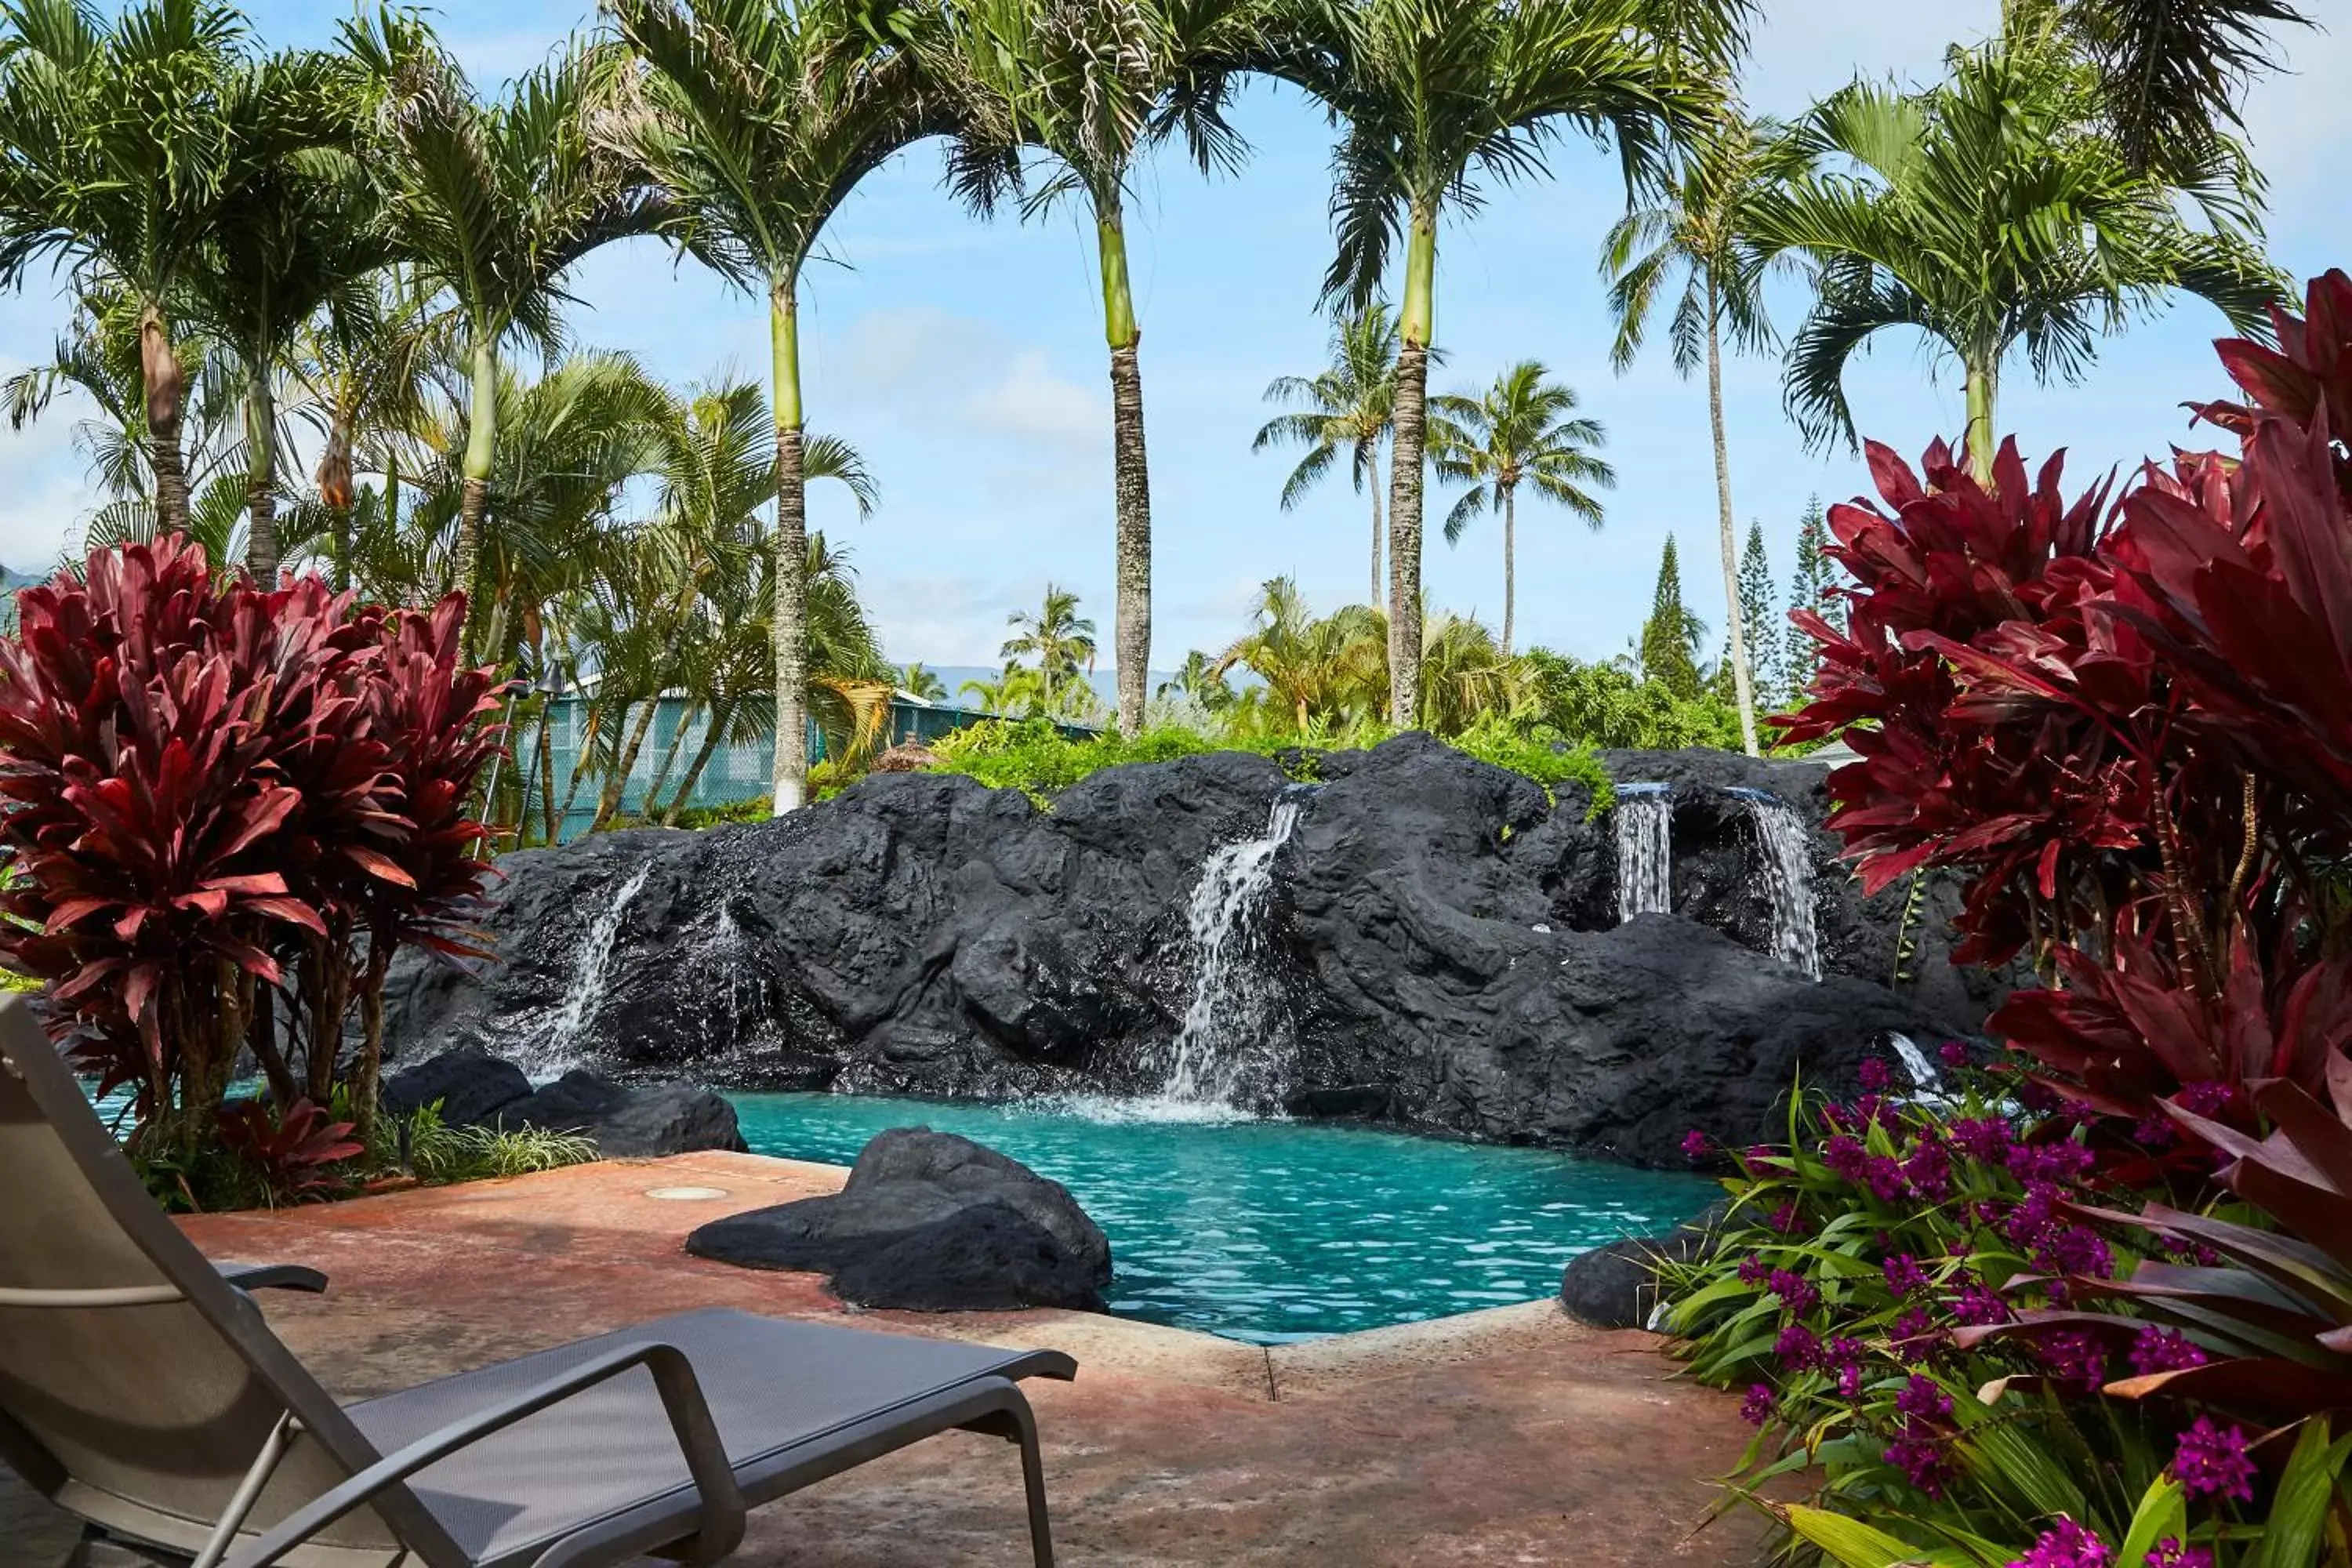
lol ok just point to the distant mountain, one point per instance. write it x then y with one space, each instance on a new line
10 581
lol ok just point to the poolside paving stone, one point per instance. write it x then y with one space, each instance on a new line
1511 1436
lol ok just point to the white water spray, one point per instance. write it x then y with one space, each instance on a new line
1925 1079
1644 814
1788 879
559 1050
1225 1053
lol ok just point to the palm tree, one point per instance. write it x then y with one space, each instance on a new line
1525 430
1087 86
1327 671
1468 675
1349 407
1433 97
494 202
1700 226
2171 75
123 143
1059 638
1989 214
918 681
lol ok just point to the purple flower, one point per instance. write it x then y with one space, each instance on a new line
1695 1144
1922 1397
2075 1357
1797 1347
1914 1336
2067 1545
1977 1307
2154 1131
1757 1408
1884 1178
2071 1249
1929 1172
1754 1270
1787 1220
1873 1074
1983 1138
1845 1351
2164 1350
1760 1153
2212 1461
1904 1275
1850 1381
1954 1053
1845 1155
1923 1455
1796 1291
2059 1161
2170 1554
2206 1098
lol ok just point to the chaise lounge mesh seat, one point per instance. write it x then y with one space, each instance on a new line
141 1390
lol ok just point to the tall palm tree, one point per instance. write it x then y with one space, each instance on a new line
495 202
1990 213
1060 639
123 141
759 120
1699 229
1348 407
1086 87
1524 430
2172 75
1435 96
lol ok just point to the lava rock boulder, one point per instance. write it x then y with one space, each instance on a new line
629 1121
1615 1285
470 1086
930 1222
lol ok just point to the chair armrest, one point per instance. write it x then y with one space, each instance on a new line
273 1277
682 1400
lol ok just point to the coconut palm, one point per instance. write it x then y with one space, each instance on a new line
1468 675
759 120
494 202
1060 639
1348 407
1435 96
1697 230
1086 87
1523 430
1989 214
123 141
918 681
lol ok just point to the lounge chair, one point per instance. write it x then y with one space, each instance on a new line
142 1392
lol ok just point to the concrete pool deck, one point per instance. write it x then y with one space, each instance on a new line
1511 1436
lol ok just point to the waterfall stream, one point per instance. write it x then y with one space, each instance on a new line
1788 861
1224 1055
1644 814
557 1051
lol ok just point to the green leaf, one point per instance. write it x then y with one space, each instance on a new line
2162 1514
2299 1511
1849 1541
2017 1459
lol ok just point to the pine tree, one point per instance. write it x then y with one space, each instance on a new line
1670 637
1759 609
1809 589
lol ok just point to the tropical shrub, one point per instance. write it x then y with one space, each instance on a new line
2129 727
227 808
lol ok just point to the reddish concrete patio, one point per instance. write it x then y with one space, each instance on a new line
1511 1436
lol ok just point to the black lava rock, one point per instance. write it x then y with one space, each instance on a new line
470 1086
1438 946
629 1121
930 1222
1615 1285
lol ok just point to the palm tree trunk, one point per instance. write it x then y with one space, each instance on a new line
669 759
1510 560
608 804
1131 636
162 381
721 718
1413 321
474 502
579 767
1742 682
261 477
789 619
1372 466
1983 389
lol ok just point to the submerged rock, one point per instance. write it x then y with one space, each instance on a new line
930 1222
1437 945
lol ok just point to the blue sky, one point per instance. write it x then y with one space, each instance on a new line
967 361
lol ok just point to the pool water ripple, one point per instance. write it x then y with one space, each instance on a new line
1276 1231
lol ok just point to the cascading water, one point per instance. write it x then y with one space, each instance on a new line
1925 1080
1644 814
1225 1056
1788 861
557 1051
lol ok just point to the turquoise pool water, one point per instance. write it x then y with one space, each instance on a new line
1276 1231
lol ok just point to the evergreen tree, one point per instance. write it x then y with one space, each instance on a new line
1759 609
1809 589
1670 637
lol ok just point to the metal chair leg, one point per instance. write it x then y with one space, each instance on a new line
95 1550
1015 1424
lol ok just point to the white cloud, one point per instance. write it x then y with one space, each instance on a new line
1029 403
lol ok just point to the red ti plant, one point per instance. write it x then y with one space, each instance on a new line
2130 730
294 1153
208 796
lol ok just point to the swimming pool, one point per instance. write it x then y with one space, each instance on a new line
1276 1231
